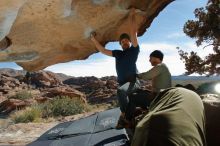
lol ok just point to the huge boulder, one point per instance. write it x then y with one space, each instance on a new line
42 79
40 33
212 111
9 105
65 91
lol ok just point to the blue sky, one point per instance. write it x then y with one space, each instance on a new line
165 34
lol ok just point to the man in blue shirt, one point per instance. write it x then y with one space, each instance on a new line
125 65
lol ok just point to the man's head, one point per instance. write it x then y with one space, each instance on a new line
125 41
156 57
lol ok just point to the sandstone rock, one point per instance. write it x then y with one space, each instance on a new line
41 99
62 76
111 84
2 98
11 104
11 72
212 112
7 82
65 91
47 32
97 90
44 79
80 81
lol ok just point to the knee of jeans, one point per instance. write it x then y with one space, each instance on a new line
121 92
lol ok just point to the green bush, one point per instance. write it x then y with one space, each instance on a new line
62 106
59 106
31 114
22 95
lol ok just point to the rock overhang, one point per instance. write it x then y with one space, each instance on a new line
46 32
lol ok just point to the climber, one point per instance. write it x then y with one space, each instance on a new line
125 65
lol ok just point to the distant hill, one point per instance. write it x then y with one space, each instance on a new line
183 77
63 77
12 72
196 81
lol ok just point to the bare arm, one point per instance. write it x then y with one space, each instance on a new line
133 28
100 47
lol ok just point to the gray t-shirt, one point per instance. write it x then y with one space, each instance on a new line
160 76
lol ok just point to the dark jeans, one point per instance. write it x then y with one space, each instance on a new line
139 98
124 91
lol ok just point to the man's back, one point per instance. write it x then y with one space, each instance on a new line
175 118
163 79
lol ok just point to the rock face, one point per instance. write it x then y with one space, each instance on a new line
17 92
65 91
97 90
44 79
212 112
46 32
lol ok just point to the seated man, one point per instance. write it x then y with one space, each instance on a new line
176 118
160 78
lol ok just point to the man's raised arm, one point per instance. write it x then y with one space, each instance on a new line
133 28
99 46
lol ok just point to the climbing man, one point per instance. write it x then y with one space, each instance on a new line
125 65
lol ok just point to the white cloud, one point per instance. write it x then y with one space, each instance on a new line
201 51
175 35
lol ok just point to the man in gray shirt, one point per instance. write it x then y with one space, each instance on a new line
161 79
159 75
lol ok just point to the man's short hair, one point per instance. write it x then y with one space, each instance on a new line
124 36
157 54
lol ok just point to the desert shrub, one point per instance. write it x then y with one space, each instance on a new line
22 95
31 114
114 104
62 106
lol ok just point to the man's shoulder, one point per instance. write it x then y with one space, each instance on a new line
116 53
134 47
162 65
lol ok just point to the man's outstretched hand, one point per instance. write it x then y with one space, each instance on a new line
99 47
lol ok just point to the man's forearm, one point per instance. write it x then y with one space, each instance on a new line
98 46
145 75
150 74
101 48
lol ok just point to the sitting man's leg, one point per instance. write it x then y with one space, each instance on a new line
139 98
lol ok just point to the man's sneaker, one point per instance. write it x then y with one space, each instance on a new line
123 123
